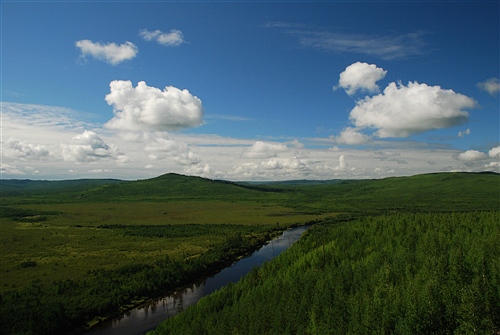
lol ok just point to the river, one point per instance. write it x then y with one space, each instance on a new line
147 317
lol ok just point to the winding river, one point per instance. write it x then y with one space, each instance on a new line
147 317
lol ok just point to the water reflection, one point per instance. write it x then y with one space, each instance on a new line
147 317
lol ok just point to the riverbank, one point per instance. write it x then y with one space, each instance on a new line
245 247
150 315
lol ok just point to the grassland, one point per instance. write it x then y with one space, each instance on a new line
72 234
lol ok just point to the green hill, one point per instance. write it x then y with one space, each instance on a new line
58 189
427 192
174 186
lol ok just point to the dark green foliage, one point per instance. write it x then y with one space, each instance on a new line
188 230
25 215
394 274
421 193
28 264
62 189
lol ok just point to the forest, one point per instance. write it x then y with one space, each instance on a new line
389 274
75 253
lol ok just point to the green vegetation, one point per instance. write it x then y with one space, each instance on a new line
390 274
75 252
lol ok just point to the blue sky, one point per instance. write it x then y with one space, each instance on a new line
249 90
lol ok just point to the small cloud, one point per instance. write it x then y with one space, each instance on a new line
388 47
342 167
9 169
351 136
173 38
229 117
96 171
401 111
463 133
495 152
492 86
27 150
164 148
265 150
89 147
145 108
471 155
199 170
296 144
110 52
361 76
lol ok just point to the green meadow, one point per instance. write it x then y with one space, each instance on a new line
76 252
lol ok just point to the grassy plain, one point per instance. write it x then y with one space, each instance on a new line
68 244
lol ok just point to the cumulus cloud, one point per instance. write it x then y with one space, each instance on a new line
472 155
463 133
149 108
401 111
173 38
164 148
351 136
492 86
203 170
26 150
495 152
110 52
89 147
265 150
342 167
361 76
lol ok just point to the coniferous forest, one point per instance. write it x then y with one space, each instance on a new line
390 274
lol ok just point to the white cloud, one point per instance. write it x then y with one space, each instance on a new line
265 150
342 167
273 169
26 150
386 47
89 147
493 165
172 38
495 152
7 169
148 108
165 148
471 155
201 170
463 133
351 136
296 144
401 111
361 76
492 86
218 157
110 52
